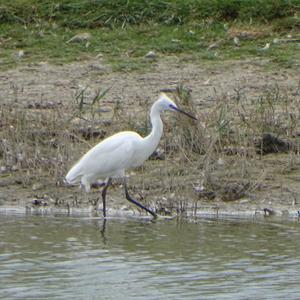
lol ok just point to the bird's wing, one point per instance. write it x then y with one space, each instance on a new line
109 157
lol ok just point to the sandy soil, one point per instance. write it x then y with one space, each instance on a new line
44 83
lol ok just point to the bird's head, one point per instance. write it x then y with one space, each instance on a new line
166 103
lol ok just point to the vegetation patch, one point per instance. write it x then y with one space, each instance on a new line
218 160
125 31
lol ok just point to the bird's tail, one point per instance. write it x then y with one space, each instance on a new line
74 174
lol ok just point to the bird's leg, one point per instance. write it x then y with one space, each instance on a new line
108 183
128 197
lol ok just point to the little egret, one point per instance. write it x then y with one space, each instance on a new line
113 156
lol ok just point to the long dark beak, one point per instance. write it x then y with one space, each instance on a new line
183 112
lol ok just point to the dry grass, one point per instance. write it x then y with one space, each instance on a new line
217 157
44 138
214 158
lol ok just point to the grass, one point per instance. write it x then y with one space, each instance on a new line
124 31
212 155
95 13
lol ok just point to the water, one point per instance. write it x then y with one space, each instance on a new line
76 258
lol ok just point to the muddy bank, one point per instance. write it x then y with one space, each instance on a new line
223 174
205 211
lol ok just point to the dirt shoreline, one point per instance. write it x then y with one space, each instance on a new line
121 213
44 86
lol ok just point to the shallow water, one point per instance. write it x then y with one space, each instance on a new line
45 257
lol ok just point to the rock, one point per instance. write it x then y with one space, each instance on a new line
39 202
221 161
236 41
247 35
151 55
124 208
265 48
20 54
207 82
199 188
215 45
14 168
173 90
284 41
158 155
104 110
43 105
270 143
37 186
268 212
80 37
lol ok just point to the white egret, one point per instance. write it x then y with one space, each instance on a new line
113 156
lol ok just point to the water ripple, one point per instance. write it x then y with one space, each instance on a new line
64 258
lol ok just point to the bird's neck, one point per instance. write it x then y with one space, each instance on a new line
153 138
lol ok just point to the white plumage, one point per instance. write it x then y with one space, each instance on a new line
109 158
114 155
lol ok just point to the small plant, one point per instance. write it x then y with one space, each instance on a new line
190 133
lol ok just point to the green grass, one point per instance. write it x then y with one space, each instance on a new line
95 13
124 31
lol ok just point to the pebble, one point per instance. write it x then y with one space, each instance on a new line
151 55
98 67
265 48
39 202
236 41
37 186
14 168
268 212
158 154
20 54
80 37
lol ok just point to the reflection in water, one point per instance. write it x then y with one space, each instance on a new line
64 258
102 230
